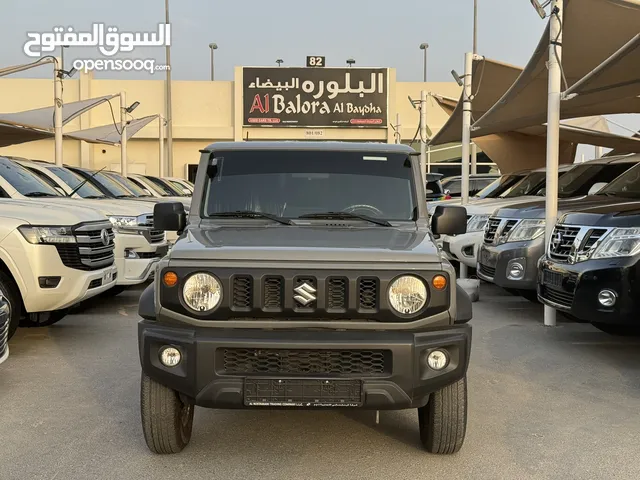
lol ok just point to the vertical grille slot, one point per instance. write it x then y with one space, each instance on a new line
337 294
592 237
562 241
273 293
508 227
491 229
242 292
368 293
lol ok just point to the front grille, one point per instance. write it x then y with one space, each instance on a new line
152 236
242 292
557 296
368 293
273 294
156 236
337 294
491 229
508 226
4 329
562 241
487 271
89 252
251 361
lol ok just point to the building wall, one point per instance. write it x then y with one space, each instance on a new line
203 112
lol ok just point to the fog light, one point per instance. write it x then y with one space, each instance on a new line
170 356
128 253
438 359
49 282
468 251
607 298
515 269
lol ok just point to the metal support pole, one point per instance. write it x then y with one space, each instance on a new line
474 158
57 113
168 115
429 158
475 26
553 132
212 63
123 134
466 137
598 152
398 126
161 170
424 75
423 135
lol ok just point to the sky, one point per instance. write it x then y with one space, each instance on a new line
379 33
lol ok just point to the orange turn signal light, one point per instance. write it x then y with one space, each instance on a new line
439 282
170 279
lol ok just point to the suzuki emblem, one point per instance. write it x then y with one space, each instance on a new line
305 294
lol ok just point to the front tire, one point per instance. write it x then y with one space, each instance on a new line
9 290
167 421
443 421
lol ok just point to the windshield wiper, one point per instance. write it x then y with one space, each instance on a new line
82 183
40 194
92 197
124 196
346 215
253 214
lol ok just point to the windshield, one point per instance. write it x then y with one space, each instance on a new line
499 186
626 185
292 183
113 187
72 179
162 188
25 182
135 189
527 186
181 187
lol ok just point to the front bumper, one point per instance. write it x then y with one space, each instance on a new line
136 258
208 376
494 263
463 248
574 289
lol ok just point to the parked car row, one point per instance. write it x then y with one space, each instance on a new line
590 268
68 234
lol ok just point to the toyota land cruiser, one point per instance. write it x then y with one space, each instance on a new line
305 276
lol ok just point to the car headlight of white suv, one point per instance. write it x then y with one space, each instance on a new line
477 223
621 242
34 234
120 222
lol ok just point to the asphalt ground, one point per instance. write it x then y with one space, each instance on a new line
544 403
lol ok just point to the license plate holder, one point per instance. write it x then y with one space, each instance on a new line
302 392
487 258
551 279
107 277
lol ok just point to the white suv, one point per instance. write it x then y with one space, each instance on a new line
52 257
138 245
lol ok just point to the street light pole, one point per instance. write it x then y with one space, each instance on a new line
168 114
466 137
213 47
423 136
123 133
425 47
350 62
553 131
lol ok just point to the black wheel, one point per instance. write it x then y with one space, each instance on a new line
443 421
43 319
115 290
531 295
9 290
167 420
618 330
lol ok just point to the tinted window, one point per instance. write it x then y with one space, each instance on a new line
527 186
480 183
135 189
180 187
579 180
113 187
25 182
293 183
162 187
72 179
626 186
499 186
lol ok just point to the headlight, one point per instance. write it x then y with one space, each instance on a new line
202 292
477 223
526 230
407 295
47 234
123 222
621 242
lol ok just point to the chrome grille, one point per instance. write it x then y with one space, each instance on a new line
562 241
491 230
89 252
498 228
570 244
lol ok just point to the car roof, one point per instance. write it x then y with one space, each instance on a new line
314 146
475 175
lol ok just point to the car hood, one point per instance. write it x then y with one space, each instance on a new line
609 215
536 210
106 206
487 206
37 212
307 243
186 201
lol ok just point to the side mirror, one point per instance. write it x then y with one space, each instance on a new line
596 187
169 216
449 220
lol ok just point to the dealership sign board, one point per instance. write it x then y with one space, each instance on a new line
315 97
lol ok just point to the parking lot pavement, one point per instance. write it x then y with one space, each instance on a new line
544 403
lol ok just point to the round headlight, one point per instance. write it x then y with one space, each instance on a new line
202 292
407 295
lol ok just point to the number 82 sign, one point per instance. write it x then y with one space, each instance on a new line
315 61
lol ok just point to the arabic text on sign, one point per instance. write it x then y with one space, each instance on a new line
333 88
